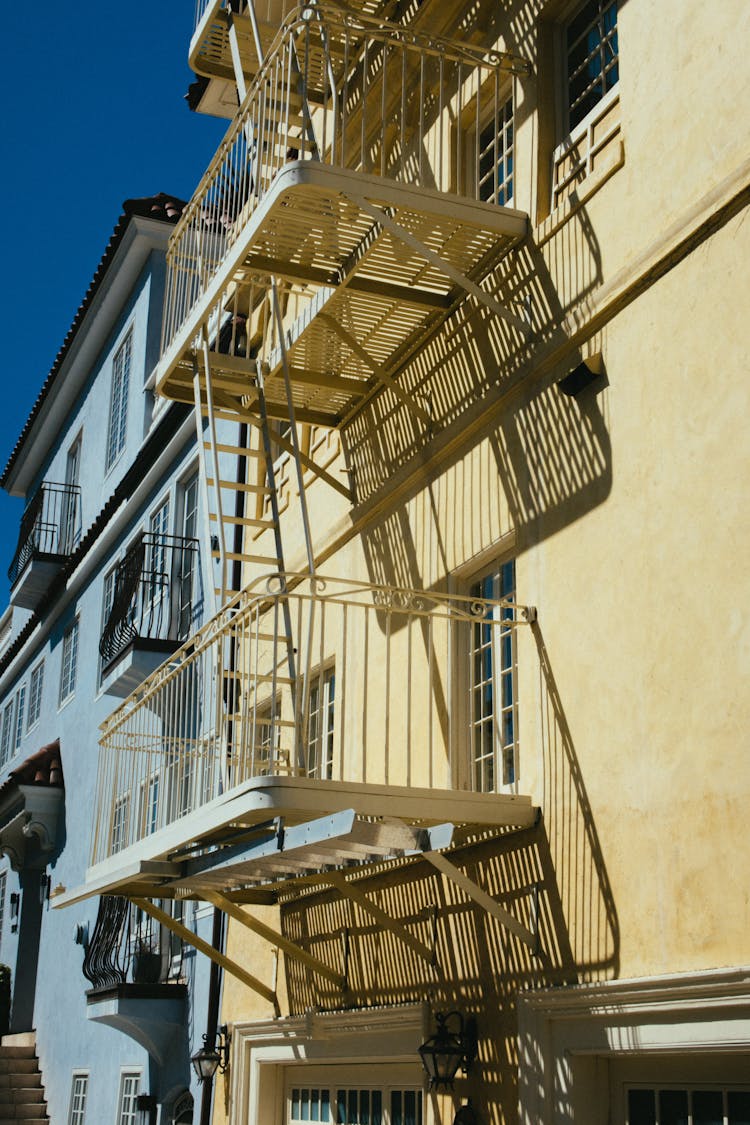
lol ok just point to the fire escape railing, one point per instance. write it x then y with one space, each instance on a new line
50 526
154 594
349 92
223 709
128 947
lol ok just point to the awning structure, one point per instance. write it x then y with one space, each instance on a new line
275 834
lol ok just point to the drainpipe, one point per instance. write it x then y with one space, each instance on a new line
212 1017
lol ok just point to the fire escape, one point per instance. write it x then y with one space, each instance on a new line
339 223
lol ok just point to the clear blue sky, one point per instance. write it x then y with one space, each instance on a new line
93 113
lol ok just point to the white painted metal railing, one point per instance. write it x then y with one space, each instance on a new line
351 92
379 694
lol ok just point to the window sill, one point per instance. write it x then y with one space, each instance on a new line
579 196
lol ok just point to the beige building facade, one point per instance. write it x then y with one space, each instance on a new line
482 748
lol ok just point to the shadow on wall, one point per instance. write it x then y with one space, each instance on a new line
514 454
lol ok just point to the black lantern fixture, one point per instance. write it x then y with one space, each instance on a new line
208 1060
453 1045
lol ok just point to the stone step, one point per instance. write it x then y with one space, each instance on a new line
17 1095
27 1079
19 1066
17 1051
44 1120
24 1112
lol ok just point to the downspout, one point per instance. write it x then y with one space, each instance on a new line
212 1017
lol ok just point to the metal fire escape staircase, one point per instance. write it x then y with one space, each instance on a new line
313 266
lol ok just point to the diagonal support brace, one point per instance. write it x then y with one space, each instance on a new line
337 880
202 946
438 860
378 371
460 279
264 931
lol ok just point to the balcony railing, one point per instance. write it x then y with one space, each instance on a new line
348 92
154 596
50 526
129 947
326 679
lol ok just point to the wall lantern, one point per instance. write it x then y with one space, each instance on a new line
145 1104
208 1060
453 1045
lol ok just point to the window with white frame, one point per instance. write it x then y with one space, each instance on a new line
120 822
78 1095
36 684
688 1105
130 1084
320 724
3 888
495 156
189 559
118 406
70 515
7 733
157 556
69 664
493 689
149 802
20 708
342 1103
590 117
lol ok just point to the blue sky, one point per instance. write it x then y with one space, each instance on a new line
93 114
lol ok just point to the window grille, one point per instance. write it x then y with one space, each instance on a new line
591 55
320 725
20 706
7 733
706 1105
495 158
128 1112
493 685
78 1095
118 409
35 696
69 662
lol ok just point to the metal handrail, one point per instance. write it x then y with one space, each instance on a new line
128 947
223 709
144 603
50 526
381 99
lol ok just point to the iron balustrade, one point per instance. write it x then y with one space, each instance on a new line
380 693
50 526
154 595
351 92
128 947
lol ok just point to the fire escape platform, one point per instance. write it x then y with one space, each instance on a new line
377 264
270 830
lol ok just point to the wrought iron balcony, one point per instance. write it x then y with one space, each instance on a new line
323 684
156 588
128 947
357 173
50 530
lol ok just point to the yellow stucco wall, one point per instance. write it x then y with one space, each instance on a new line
625 509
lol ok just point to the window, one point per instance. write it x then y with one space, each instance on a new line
128 1111
354 1105
495 157
590 118
157 556
591 58
69 662
188 561
78 1093
320 716
3 884
150 804
70 528
20 704
688 1106
35 695
118 407
6 735
493 685
120 822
